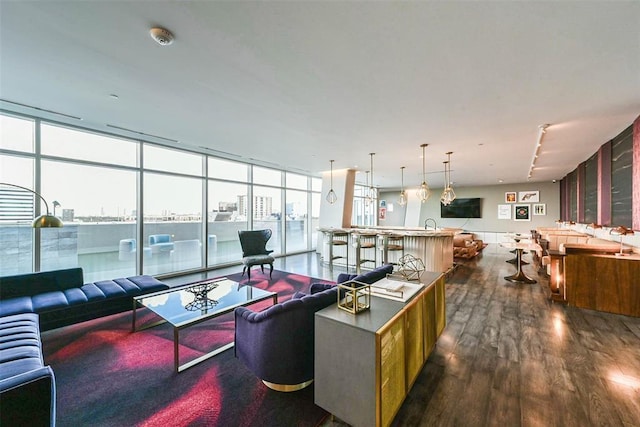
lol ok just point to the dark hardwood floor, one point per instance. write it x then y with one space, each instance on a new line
509 357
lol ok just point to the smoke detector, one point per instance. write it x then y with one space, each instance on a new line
162 36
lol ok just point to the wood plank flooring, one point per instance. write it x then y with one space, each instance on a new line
510 357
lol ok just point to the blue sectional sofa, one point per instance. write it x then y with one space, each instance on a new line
61 297
39 301
277 344
27 386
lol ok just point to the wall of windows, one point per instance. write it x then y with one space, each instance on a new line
133 207
364 208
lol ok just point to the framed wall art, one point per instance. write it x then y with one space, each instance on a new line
504 211
522 213
510 197
528 196
539 209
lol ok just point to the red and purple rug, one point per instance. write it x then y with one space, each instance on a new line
108 376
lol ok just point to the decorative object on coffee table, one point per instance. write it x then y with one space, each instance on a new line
410 267
201 299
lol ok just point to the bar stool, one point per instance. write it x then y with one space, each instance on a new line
392 243
338 238
365 240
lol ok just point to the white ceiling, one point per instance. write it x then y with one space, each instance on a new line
296 84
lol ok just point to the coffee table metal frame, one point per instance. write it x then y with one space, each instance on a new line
185 324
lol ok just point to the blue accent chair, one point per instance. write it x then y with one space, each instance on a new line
277 344
160 243
127 250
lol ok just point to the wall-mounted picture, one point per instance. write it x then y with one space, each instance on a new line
504 211
510 197
539 209
521 213
528 197
382 213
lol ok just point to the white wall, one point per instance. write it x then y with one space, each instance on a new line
337 215
491 197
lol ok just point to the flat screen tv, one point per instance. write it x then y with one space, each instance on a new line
461 208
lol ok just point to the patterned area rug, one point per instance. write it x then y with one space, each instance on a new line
108 376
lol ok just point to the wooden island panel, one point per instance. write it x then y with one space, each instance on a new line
603 282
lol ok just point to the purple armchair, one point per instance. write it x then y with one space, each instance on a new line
277 344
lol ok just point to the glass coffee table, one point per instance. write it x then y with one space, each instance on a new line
188 305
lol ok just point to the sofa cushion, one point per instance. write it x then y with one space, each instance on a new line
110 289
49 301
92 292
143 283
75 296
20 351
345 277
16 306
37 283
370 276
298 295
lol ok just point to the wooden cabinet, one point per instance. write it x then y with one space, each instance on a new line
365 364
603 282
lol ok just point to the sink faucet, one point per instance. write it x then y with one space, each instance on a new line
426 222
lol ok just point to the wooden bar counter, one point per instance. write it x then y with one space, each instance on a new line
603 282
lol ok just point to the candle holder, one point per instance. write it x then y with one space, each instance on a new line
357 296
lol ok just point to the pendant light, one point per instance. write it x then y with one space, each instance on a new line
423 191
331 195
448 195
367 193
403 195
373 194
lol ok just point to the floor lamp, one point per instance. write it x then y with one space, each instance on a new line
42 221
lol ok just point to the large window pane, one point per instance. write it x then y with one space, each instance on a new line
97 206
267 213
364 210
83 145
296 220
16 133
16 214
315 218
296 181
172 223
316 184
267 176
168 160
225 220
226 169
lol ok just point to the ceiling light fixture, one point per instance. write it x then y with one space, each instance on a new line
424 192
367 193
403 195
331 195
373 194
542 129
448 195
